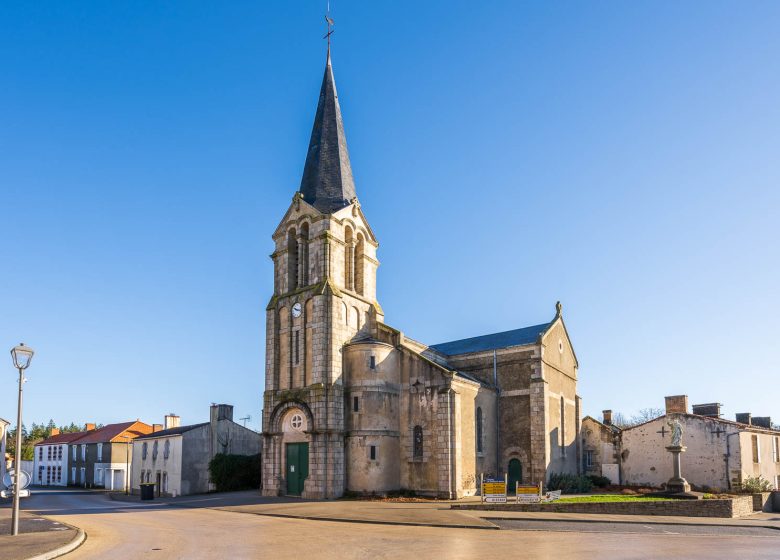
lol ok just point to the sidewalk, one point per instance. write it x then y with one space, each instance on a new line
37 535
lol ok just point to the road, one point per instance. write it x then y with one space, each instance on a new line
135 530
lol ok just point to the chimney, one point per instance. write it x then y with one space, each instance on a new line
744 418
221 412
607 417
172 421
677 404
711 410
763 422
89 427
157 428
54 432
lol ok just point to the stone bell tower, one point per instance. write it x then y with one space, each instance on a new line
324 296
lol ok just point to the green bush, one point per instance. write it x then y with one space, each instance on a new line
599 481
756 484
235 472
569 483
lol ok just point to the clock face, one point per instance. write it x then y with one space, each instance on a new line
296 310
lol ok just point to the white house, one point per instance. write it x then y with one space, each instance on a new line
719 455
3 433
51 458
176 459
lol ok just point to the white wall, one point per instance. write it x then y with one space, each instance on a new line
3 433
52 464
170 465
703 464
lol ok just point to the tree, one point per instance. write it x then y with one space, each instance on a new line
644 415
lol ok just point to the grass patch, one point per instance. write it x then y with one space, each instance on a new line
600 498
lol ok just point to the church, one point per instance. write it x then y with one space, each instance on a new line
351 404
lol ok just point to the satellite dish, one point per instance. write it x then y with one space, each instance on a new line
10 478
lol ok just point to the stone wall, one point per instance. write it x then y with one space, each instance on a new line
729 508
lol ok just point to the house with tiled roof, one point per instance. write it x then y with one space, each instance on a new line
93 458
719 454
50 458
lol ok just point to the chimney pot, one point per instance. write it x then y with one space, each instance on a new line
55 432
89 427
763 422
711 410
607 417
744 418
157 427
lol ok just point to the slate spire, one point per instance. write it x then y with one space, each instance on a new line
327 182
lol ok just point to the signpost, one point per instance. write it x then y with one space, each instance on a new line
493 490
528 493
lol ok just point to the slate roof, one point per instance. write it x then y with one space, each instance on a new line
327 182
517 337
174 431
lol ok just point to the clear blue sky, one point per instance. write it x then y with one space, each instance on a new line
619 156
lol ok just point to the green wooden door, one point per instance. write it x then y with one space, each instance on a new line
297 467
514 474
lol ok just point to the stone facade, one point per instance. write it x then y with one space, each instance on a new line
369 409
720 453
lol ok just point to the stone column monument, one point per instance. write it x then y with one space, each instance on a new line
677 483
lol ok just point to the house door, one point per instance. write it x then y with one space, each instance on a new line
297 467
514 473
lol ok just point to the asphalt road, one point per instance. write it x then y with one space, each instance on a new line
135 530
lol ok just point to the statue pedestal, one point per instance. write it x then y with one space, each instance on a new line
677 483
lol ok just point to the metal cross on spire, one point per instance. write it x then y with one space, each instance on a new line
329 23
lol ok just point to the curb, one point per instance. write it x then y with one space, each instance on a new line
363 521
77 541
632 522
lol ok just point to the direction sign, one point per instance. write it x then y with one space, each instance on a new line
10 478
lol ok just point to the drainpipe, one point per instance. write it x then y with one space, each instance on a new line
498 412
728 454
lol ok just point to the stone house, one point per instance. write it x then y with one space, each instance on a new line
176 458
352 404
601 447
720 453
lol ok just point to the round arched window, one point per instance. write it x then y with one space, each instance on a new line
296 422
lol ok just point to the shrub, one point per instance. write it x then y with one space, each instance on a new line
235 472
599 481
569 483
756 484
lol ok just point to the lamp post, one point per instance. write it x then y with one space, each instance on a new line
22 355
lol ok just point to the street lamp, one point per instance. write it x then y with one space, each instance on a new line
22 355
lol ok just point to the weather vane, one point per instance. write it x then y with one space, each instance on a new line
329 23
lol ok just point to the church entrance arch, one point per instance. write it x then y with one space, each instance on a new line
295 439
515 474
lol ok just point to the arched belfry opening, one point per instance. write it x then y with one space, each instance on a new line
292 260
358 264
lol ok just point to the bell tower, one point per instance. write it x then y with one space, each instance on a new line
324 296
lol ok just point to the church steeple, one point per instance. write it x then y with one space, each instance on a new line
327 182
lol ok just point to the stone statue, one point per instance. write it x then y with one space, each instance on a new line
677 432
